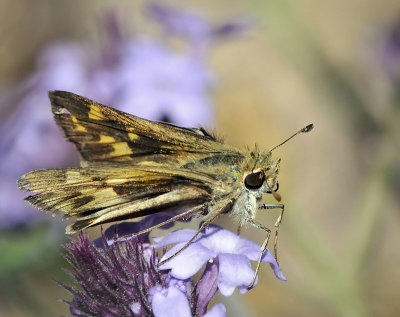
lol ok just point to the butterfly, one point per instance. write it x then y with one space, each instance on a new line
133 167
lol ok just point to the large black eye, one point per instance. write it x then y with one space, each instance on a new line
254 180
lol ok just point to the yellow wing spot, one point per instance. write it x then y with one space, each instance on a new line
79 127
133 136
95 113
60 111
113 182
106 139
121 148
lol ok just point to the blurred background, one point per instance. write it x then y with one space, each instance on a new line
253 71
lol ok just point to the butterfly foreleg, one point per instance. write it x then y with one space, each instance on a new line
277 223
216 211
204 225
263 246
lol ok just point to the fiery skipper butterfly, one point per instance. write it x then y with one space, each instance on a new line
132 167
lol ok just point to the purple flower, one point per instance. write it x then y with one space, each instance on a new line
113 281
232 252
117 278
123 280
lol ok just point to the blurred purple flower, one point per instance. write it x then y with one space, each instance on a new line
193 27
232 252
139 76
164 85
32 139
391 54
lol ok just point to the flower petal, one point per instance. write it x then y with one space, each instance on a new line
188 262
178 236
206 287
183 285
234 271
170 302
219 310
224 241
268 257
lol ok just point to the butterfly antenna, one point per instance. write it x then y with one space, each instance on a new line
304 130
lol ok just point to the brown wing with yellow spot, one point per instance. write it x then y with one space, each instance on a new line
103 134
97 195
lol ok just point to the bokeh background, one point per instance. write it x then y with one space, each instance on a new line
255 72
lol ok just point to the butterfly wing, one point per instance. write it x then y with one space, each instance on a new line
96 195
105 135
132 167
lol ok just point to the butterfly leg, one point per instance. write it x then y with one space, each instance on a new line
214 214
277 223
239 229
263 246
204 225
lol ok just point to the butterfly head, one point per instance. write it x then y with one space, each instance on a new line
263 177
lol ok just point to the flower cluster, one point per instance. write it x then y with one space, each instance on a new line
123 279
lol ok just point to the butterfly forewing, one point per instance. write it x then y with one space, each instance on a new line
103 134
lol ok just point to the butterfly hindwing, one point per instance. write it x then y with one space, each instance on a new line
104 194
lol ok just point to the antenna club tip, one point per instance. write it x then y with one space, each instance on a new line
304 130
307 128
